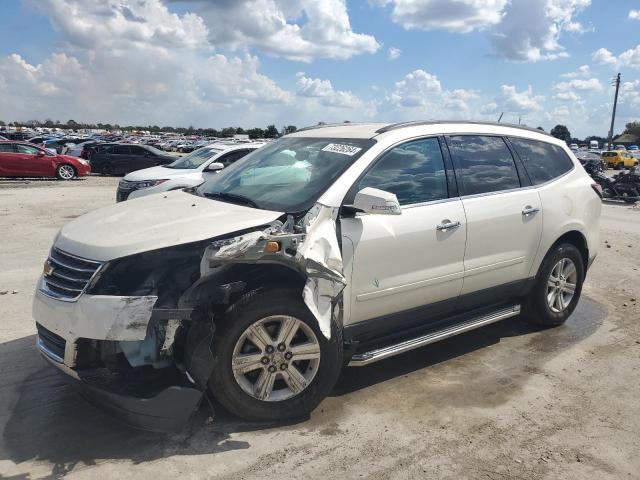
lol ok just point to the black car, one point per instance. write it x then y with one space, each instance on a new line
120 159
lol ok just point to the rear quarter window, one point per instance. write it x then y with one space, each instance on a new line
543 161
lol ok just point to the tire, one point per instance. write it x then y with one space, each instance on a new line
66 172
537 308
231 341
620 166
106 169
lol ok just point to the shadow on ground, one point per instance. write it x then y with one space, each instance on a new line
46 421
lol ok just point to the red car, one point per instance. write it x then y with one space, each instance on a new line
22 159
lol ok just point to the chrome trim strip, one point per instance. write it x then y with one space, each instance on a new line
42 288
366 358
86 260
45 351
69 267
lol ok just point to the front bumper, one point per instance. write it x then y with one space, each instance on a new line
152 399
159 410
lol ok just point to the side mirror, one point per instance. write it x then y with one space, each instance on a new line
375 201
214 167
40 153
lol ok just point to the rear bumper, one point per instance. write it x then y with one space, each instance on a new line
164 408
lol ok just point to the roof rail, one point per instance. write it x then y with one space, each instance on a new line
324 125
396 126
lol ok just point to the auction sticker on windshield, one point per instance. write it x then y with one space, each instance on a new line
342 149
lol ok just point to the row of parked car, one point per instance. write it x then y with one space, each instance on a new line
153 170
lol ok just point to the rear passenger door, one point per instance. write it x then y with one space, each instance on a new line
504 219
120 158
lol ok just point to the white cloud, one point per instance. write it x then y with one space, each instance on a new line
569 96
393 53
583 71
461 16
531 29
420 93
630 94
323 93
300 30
519 103
629 58
417 89
604 57
174 91
121 25
591 84
634 14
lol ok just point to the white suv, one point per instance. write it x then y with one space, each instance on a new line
188 171
335 245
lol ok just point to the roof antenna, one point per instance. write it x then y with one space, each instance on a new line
501 113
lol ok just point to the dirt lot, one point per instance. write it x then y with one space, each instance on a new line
503 402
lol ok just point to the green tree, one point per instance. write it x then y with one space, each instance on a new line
561 132
289 129
632 128
541 129
271 132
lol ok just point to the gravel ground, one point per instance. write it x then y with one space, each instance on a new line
503 402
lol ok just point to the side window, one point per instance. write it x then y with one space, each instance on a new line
543 161
6 148
27 149
414 171
483 164
230 158
138 150
120 150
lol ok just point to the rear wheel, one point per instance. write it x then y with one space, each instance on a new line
107 169
620 166
66 172
558 286
271 360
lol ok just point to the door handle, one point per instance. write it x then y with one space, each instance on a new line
446 225
529 210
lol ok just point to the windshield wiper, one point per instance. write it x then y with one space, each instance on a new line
233 198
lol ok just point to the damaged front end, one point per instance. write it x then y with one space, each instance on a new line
138 339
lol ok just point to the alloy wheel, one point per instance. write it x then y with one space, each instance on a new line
276 358
561 285
66 172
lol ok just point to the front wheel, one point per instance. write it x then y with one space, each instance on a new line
271 361
558 286
65 172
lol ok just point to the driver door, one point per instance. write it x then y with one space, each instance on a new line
397 263
29 162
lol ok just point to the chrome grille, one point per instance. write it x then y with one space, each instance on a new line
66 276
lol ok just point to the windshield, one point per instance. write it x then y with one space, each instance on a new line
194 159
154 150
287 175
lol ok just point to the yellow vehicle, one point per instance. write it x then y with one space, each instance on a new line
619 159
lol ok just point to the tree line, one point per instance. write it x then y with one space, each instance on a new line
270 131
563 133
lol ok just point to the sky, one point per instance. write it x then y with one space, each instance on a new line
217 63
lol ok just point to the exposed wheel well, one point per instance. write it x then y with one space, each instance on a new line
576 239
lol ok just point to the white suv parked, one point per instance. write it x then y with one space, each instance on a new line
188 171
335 245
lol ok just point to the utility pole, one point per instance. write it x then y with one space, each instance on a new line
615 105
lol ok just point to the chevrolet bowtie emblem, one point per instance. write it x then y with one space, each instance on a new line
48 269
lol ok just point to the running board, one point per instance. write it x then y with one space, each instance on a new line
366 358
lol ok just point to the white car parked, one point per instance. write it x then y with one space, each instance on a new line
188 171
341 244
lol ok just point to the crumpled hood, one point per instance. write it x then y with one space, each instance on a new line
157 173
154 222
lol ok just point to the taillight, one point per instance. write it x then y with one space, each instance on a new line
597 188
